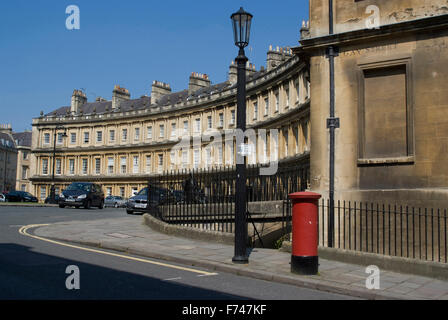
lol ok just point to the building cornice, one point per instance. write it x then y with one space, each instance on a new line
363 35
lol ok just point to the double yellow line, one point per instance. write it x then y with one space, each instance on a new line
24 231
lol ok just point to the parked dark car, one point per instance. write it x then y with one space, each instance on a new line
82 194
138 203
48 199
20 196
115 201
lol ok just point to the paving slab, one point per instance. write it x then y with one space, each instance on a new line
127 234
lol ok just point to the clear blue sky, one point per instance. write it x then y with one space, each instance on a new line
126 42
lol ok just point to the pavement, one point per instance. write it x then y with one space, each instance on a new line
130 235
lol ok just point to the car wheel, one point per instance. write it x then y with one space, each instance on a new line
88 204
101 205
61 206
129 212
116 205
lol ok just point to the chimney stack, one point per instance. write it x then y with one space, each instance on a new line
198 81
78 99
5 128
305 30
277 56
233 71
118 95
159 89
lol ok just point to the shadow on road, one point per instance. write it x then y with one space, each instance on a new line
25 274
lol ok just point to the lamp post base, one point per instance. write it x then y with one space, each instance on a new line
240 260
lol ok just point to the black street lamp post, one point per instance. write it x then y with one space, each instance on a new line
52 190
241 22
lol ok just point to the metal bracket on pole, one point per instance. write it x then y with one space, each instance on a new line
332 51
333 122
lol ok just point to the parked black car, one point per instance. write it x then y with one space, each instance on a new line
20 196
82 194
138 203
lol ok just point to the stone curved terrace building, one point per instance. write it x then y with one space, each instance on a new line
121 142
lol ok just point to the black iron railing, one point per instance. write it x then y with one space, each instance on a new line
392 230
206 198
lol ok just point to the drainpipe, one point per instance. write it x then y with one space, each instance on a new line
332 124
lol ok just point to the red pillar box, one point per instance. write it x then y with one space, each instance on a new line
304 258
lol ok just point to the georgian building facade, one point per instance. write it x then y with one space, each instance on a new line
23 146
390 75
122 142
8 159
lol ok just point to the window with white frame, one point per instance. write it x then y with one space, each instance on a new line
24 172
84 166
197 128
60 138
185 159
97 165
46 138
209 122
112 135
172 159
149 132
277 102
231 156
160 163
232 117
73 137
110 165
44 166
220 155
162 131
148 164
58 167
135 164
108 191
122 192
221 120
196 158
297 85
208 157
123 165
86 137
124 134
99 136
173 130
287 97
264 151
186 127
255 110
266 106
137 134
71 166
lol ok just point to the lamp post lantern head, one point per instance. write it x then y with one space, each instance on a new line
241 21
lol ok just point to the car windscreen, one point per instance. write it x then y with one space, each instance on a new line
143 192
79 186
